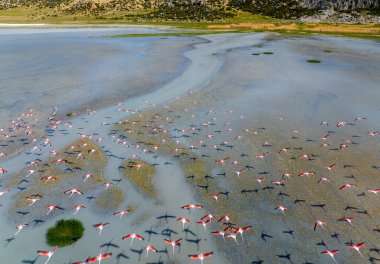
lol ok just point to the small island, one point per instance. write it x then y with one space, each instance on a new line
65 233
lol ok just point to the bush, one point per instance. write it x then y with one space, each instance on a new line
313 61
65 233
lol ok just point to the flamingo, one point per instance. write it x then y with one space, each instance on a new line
222 161
3 171
375 191
201 257
210 217
373 133
282 208
330 167
121 213
238 172
343 146
20 227
305 156
49 178
149 248
347 219
221 232
3 192
241 230
357 248
80 155
262 156
33 200
348 185
49 254
72 191
331 254
183 220
192 206
133 236
77 208
325 137
323 179
87 176
204 224
225 218
34 163
108 184
57 161
51 208
233 236
215 196
173 243
260 180
100 227
99 258
35 148
306 173
319 223
30 173
282 183
341 124
284 150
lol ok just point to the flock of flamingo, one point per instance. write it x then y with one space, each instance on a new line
228 166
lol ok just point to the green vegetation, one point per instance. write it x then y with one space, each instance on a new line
268 53
65 233
313 61
179 34
187 11
239 21
141 174
71 114
327 51
255 54
283 9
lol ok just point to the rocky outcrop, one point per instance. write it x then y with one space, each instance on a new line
330 16
339 5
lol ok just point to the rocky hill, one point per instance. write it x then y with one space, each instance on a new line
342 11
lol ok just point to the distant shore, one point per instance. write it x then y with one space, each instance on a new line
194 29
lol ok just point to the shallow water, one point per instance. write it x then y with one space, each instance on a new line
46 68
258 90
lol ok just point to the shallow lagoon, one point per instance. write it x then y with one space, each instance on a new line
258 90
49 67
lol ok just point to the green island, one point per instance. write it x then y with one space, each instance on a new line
313 61
65 233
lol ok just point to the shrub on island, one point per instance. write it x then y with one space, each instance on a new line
313 61
65 233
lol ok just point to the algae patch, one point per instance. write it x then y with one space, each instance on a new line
141 174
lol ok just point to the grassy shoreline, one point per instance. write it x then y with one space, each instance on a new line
355 31
241 23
